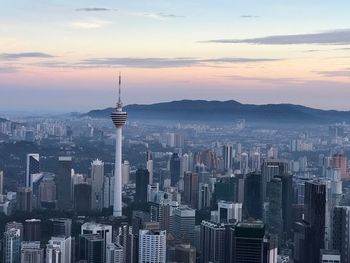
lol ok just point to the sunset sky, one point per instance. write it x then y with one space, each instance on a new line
65 55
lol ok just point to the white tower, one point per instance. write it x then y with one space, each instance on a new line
119 118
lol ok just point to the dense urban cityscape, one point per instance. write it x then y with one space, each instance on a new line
200 192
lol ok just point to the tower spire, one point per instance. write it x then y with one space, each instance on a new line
119 104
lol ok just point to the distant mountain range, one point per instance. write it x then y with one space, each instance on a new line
226 111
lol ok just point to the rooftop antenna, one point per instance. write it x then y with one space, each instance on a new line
119 104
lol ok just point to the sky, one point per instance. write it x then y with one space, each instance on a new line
66 55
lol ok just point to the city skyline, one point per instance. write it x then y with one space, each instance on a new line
64 53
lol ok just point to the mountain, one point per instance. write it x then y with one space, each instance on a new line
226 111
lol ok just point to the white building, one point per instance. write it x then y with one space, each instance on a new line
63 245
229 211
114 253
152 246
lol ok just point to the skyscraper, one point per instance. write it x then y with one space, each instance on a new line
125 239
12 245
119 118
1 182
60 247
184 223
204 196
64 183
91 248
340 161
227 153
114 253
82 197
31 252
253 196
274 217
61 227
152 246
191 189
341 232
97 176
126 172
229 212
315 215
32 167
32 230
149 166
175 164
24 199
142 181
53 254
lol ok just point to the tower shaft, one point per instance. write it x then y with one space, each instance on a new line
117 207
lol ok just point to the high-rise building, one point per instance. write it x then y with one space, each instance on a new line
270 169
184 224
274 217
47 192
12 245
227 153
302 242
125 239
204 196
330 256
175 164
225 189
32 167
59 248
53 254
64 183
126 172
114 253
108 191
149 166
1 182
82 197
315 215
61 227
340 162
142 181
91 248
191 186
214 242
104 231
244 164
32 230
152 246
256 162
253 196
229 212
249 244
31 252
185 253
341 232
97 176
119 118
24 199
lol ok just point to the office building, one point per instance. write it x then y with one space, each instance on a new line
330 256
191 187
227 153
185 253
61 227
32 230
97 176
47 192
82 197
184 224
32 167
274 214
12 245
64 183
152 246
315 215
302 242
341 232
24 199
142 181
175 169
204 196
253 203
91 248
125 238
229 212
149 166
1 182
125 172
119 118
114 253
31 252
59 248
340 161
214 242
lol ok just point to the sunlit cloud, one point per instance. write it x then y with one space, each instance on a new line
88 24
